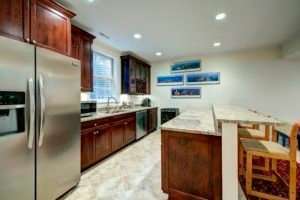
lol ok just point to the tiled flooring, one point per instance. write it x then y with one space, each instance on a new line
131 174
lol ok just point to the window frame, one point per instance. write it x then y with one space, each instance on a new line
112 79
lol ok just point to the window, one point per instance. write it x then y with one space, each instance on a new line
103 74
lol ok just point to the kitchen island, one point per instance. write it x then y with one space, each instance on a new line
200 152
227 119
191 157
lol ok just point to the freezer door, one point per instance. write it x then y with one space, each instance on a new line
58 123
16 112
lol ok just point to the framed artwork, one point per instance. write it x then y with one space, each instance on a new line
203 78
186 92
170 80
186 66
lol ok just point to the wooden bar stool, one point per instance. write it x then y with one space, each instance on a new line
274 151
254 134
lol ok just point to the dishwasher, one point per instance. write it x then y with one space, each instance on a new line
141 124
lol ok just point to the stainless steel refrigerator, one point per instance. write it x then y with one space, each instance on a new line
39 122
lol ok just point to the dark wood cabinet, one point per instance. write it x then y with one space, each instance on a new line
102 142
191 166
14 19
87 149
130 127
100 138
152 119
135 75
117 135
44 23
82 49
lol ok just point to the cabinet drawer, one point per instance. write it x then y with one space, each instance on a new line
94 123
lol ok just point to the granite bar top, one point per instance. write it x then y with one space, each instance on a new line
236 114
102 114
195 122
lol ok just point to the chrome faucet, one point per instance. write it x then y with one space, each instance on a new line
108 103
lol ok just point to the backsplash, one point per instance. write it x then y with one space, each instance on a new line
124 98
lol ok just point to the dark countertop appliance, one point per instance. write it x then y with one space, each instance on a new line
88 108
146 102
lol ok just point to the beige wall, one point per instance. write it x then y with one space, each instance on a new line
258 79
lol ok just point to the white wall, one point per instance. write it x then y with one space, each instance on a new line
257 79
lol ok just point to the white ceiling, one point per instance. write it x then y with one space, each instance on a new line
182 28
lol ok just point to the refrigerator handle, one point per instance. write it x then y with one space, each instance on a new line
42 110
31 113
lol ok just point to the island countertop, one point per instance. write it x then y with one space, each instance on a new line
196 122
236 114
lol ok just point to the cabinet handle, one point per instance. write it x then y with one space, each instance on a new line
96 132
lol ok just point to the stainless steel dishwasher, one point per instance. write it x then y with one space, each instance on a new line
141 123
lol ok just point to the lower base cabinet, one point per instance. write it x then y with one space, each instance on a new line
117 136
102 142
130 127
87 149
100 138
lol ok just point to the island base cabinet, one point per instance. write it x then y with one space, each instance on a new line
191 166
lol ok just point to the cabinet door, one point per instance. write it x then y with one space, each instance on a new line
132 77
86 65
148 79
102 142
14 19
87 149
117 135
152 120
50 26
130 130
76 44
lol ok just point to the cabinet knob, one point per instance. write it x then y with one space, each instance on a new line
96 132
125 123
33 41
95 124
27 40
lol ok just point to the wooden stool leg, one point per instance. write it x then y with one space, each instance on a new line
293 179
274 170
249 173
241 160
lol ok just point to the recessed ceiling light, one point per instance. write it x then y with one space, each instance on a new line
217 44
158 53
91 1
221 16
137 36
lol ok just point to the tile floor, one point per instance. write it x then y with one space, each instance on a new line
131 174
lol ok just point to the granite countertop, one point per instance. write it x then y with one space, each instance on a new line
236 114
196 122
102 114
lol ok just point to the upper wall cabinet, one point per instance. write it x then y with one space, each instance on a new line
14 19
45 23
82 49
135 76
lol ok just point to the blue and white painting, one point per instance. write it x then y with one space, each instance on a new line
187 92
170 80
186 66
203 78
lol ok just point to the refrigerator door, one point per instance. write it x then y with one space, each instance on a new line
16 112
58 123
